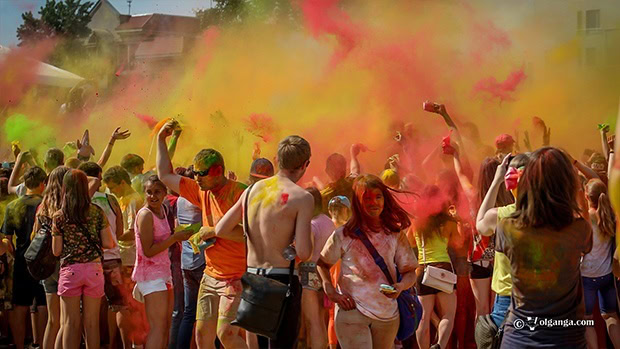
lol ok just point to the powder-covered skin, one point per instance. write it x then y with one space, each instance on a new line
360 277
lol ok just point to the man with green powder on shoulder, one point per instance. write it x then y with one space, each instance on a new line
220 287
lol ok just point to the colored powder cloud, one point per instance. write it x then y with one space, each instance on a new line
261 126
504 90
347 72
30 133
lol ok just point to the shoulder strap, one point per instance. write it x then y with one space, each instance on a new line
246 230
375 255
246 224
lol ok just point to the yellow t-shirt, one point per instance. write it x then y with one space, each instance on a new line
436 248
502 280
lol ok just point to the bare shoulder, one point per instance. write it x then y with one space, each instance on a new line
145 215
301 196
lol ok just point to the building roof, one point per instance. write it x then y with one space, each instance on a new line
99 4
134 22
156 22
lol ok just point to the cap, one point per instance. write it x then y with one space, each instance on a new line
261 168
504 140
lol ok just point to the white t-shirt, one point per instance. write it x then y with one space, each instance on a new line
597 263
360 277
101 200
21 190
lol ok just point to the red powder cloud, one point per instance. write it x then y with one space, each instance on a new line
487 38
19 69
501 90
147 119
324 17
207 43
261 126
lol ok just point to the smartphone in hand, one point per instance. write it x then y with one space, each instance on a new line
387 289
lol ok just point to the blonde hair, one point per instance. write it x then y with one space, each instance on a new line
597 194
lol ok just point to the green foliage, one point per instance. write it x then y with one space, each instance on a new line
231 12
67 19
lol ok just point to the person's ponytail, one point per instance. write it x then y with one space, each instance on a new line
606 216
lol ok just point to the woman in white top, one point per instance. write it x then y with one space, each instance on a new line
366 317
598 280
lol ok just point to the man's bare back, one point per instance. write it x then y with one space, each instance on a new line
279 211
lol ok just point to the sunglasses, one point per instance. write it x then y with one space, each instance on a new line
211 171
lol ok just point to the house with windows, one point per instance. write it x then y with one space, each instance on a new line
142 42
597 24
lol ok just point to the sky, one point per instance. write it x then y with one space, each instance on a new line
11 10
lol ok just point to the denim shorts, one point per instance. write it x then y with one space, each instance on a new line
603 288
50 285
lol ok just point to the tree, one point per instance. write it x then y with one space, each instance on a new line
240 11
67 19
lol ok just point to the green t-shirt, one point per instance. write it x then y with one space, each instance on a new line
502 280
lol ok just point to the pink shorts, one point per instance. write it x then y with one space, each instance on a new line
81 279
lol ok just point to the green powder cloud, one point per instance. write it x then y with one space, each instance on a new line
30 133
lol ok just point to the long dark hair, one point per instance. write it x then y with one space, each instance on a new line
485 178
597 195
75 197
547 191
53 197
393 217
432 211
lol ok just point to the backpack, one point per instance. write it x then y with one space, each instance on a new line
40 260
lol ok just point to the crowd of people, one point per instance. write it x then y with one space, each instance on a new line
171 256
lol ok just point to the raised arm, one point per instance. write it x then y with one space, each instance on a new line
604 129
355 166
486 220
94 184
465 180
164 165
303 227
116 135
22 158
583 169
441 110
229 227
172 145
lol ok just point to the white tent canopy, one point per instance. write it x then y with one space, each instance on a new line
49 74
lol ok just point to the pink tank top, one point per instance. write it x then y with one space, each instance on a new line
158 266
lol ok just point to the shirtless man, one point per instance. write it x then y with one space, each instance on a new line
279 213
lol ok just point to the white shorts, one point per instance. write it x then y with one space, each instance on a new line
144 288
